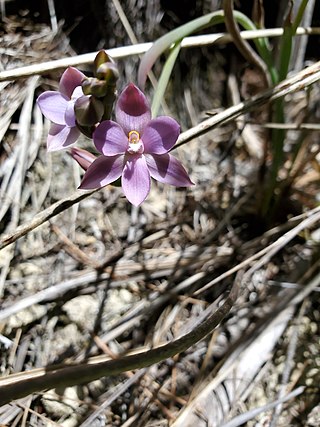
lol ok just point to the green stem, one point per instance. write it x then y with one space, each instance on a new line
164 78
299 16
271 200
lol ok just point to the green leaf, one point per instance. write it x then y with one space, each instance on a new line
176 35
164 78
173 40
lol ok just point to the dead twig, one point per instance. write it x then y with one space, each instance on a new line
44 216
242 45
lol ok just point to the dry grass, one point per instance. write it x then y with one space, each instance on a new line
102 278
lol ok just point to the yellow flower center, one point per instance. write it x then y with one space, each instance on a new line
135 145
133 137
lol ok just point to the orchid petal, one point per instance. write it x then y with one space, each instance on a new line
132 109
136 179
69 116
167 169
110 139
160 135
70 79
103 171
53 106
82 157
77 93
61 137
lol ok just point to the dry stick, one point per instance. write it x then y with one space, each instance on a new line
300 44
44 216
253 413
112 395
300 81
55 291
243 46
266 253
289 363
290 126
19 385
137 49
283 241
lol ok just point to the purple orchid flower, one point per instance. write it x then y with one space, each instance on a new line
135 149
58 107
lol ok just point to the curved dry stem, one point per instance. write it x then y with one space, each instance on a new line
242 45
22 384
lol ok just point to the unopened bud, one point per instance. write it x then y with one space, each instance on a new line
88 110
95 87
86 85
100 59
108 72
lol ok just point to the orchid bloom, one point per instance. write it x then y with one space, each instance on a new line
135 148
58 107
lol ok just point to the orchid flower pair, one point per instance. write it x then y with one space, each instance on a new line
134 148
58 107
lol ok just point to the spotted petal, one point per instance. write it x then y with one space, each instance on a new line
167 169
160 135
132 109
103 171
53 106
136 179
70 79
110 139
61 137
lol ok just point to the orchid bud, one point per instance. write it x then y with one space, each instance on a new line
86 85
101 58
89 110
95 87
108 72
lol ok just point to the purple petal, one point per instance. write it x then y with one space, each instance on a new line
136 179
82 157
168 170
70 117
70 79
53 106
61 137
132 109
77 93
102 172
160 135
110 139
